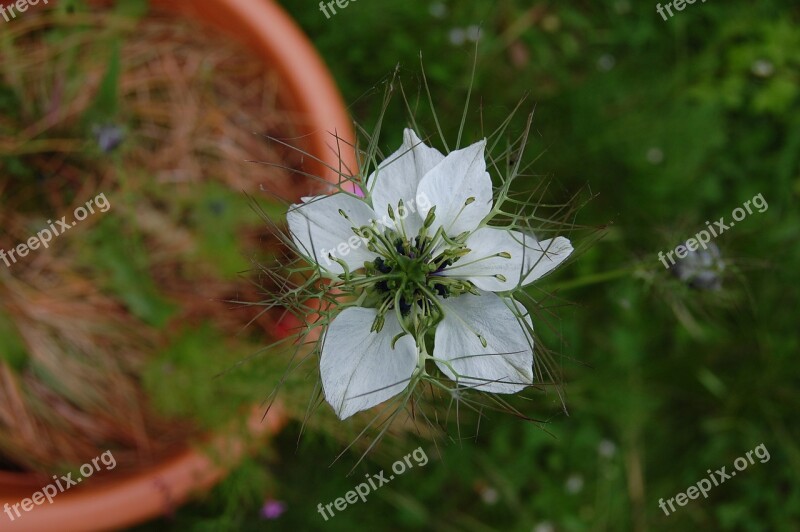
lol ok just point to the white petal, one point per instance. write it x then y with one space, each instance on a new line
543 257
359 368
505 365
318 229
461 175
529 259
398 177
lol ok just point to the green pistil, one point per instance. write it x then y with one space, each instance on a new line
413 270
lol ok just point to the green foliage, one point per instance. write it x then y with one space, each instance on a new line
12 349
216 213
105 107
134 9
119 256
190 377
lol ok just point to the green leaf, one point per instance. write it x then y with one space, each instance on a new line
135 9
105 106
219 217
12 349
188 377
122 258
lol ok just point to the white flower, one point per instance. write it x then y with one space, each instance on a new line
762 68
472 33
606 448
574 483
457 36
418 253
437 10
544 526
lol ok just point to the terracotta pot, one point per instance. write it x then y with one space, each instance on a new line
123 500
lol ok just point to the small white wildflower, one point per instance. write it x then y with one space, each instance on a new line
655 155
574 483
606 62
702 268
437 10
457 36
544 526
439 269
606 448
762 68
473 33
490 496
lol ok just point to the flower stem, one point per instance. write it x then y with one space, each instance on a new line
595 278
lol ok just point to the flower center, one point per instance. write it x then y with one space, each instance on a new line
413 271
406 277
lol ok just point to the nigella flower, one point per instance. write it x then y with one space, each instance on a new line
701 269
423 263
108 137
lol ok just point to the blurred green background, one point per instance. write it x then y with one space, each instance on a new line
655 127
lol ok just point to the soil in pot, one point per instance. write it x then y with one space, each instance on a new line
111 337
